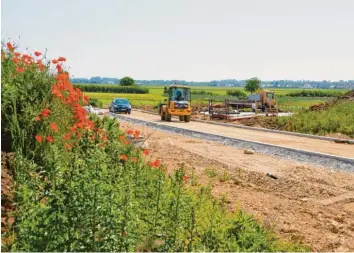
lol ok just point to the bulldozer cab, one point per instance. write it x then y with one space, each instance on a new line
270 97
179 93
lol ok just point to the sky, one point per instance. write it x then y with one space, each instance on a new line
193 40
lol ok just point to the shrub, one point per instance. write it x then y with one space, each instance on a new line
203 92
237 93
112 88
315 93
127 81
95 102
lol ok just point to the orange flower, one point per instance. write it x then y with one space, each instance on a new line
10 46
67 146
134 159
124 157
54 61
129 131
126 142
61 59
39 138
49 138
146 152
20 70
14 60
17 54
185 178
67 136
45 112
37 53
38 118
53 127
155 164
121 138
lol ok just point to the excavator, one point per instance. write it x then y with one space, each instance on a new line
178 103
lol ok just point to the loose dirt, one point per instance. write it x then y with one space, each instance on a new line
305 204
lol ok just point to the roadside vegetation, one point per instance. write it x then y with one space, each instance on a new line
80 185
332 117
102 88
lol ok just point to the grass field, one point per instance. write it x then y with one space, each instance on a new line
156 95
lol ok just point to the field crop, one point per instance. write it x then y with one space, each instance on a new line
80 185
156 95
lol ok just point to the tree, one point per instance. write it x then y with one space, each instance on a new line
252 84
127 81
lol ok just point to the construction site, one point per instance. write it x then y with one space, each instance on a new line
300 185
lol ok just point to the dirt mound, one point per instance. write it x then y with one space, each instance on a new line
266 122
349 96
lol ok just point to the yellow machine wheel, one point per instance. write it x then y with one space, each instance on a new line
187 118
181 118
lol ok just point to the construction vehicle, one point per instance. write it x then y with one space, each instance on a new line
262 100
265 101
178 103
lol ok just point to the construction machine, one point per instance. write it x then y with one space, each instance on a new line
265 101
178 103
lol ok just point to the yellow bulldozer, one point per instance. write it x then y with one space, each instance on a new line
178 103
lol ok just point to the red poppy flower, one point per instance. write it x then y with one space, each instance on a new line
146 152
20 70
39 138
129 131
155 164
54 61
17 54
124 157
45 112
49 138
67 146
185 178
14 60
121 138
67 136
10 46
38 118
37 53
53 127
61 59
59 68
126 142
134 159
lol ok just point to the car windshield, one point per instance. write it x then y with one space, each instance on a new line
121 101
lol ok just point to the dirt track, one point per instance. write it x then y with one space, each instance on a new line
308 204
303 143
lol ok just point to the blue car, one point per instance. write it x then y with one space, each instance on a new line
120 105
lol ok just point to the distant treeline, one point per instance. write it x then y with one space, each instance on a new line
112 88
226 82
315 93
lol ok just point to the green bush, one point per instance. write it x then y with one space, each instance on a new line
315 93
237 93
112 88
95 102
203 92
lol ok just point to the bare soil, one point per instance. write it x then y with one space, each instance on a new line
305 204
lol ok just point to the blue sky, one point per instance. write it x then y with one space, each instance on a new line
189 39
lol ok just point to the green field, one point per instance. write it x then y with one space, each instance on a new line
156 95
